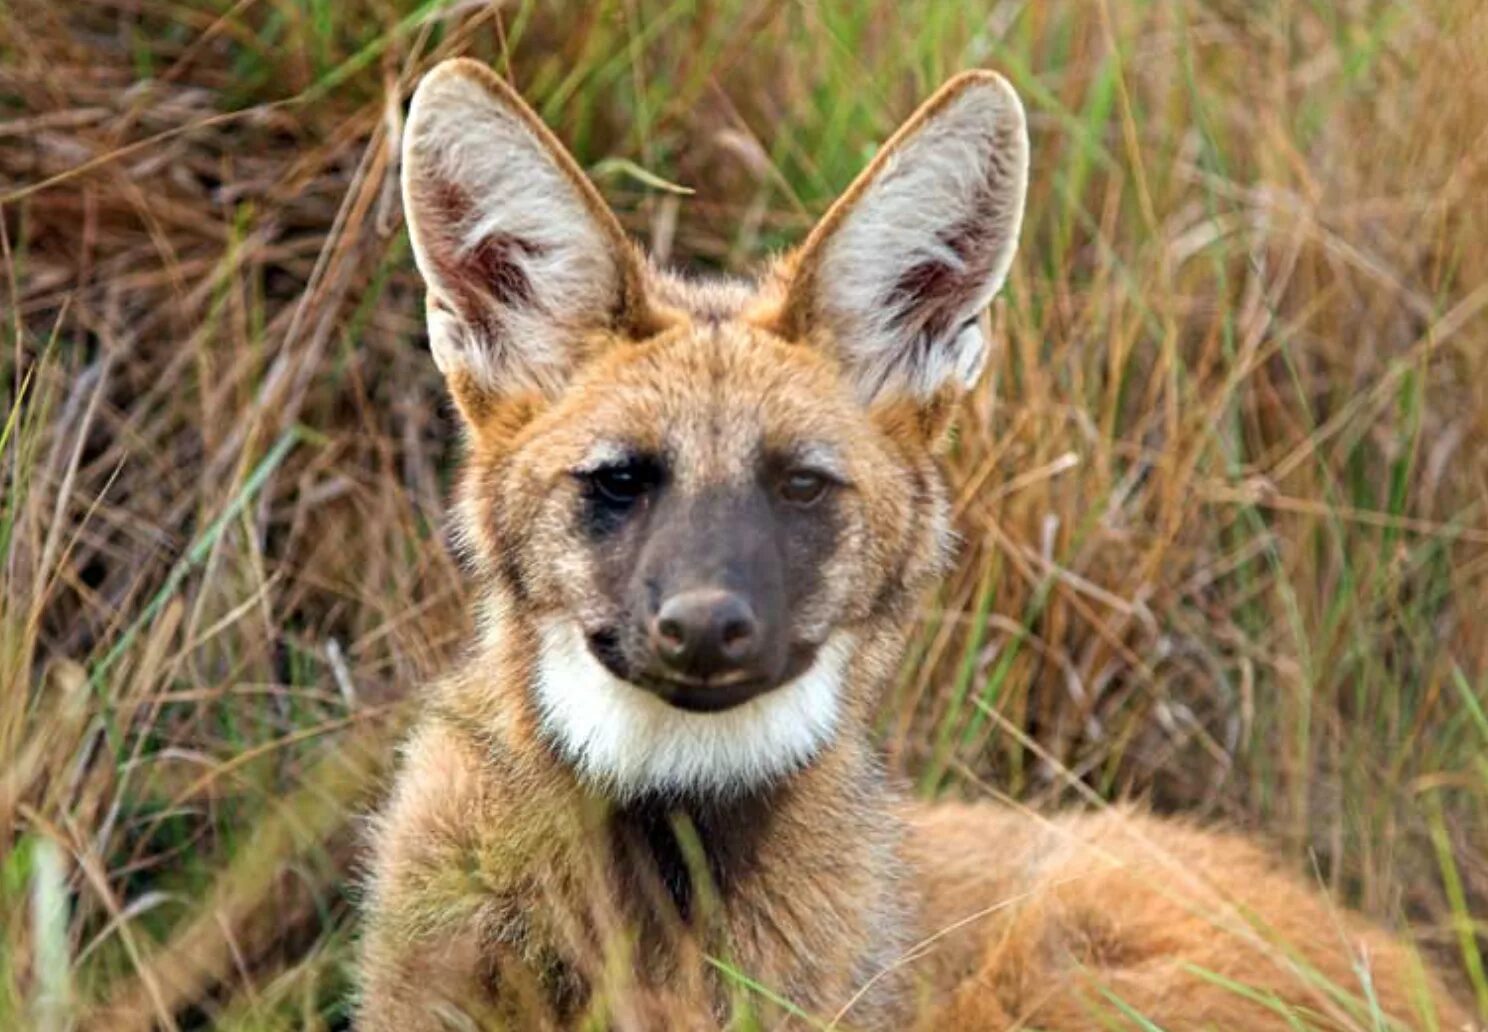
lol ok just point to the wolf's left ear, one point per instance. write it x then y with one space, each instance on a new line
522 259
897 273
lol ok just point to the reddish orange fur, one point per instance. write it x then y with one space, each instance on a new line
496 896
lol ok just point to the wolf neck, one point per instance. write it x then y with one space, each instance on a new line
688 846
803 862
735 780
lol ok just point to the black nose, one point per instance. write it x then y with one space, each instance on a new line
706 633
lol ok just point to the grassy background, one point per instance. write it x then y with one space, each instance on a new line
1224 494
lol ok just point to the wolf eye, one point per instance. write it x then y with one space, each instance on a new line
624 483
803 487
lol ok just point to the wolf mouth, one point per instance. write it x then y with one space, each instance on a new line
695 695
702 697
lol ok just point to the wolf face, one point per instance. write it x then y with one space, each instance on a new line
701 504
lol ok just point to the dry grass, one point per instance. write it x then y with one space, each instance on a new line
1225 496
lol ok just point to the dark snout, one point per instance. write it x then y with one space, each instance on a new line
712 602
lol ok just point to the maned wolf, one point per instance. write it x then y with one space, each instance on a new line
702 516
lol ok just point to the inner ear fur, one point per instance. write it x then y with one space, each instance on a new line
527 268
895 275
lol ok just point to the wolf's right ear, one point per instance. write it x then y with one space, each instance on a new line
522 259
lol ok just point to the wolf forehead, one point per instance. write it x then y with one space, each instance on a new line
711 398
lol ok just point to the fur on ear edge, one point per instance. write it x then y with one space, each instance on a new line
518 250
902 264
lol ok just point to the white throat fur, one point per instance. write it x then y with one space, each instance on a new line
626 742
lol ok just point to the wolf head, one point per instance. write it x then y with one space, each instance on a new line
703 504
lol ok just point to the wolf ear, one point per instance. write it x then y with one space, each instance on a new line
896 274
521 256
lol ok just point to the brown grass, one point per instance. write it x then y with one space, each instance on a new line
1225 493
